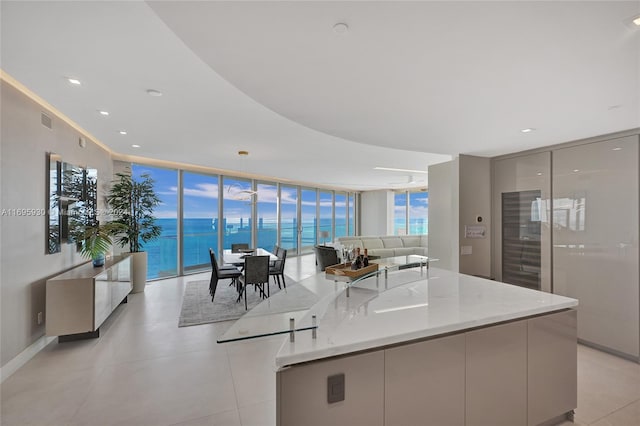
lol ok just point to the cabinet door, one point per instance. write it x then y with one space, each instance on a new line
302 392
102 302
424 383
552 385
496 387
595 239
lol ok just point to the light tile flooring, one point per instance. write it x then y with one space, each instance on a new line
144 370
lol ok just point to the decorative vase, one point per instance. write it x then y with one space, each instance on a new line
98 260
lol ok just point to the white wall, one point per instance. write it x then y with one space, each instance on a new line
376 212
475 201
24 265
443 214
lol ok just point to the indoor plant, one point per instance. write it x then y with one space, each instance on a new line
96 241
132 203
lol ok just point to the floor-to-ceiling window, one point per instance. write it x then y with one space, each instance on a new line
410 212
222 210
341 214
308 219
418 212
326 216
289 217
237 198
162 253
267 214
400 213
199 220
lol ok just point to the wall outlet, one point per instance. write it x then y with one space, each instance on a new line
39 318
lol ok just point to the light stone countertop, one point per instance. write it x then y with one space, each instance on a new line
411 306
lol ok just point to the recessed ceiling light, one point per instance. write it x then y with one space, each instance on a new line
135 146
74 81
617 149
391 169
633 22
105 113
576 170
154 92
340 28
123 132
539 173
527 130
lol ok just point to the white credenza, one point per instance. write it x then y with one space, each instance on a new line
80 300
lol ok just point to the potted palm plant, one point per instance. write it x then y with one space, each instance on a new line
132 203
96 241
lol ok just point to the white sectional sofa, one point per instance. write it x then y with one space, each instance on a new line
388 246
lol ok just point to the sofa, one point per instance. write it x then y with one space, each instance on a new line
388 246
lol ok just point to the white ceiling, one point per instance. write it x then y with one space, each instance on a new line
406 80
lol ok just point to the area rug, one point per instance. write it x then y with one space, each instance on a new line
197 307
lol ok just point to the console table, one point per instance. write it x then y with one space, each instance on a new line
80 300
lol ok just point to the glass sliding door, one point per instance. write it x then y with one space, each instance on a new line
267 214
236 221
326 216
199 220
418 212
341 214
308 220
162 253
400 213
289 218
352 214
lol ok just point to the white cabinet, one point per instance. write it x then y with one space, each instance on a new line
425 383
79 300
552 365
302 392
496 376
595 239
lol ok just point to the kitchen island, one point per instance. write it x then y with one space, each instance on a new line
442 349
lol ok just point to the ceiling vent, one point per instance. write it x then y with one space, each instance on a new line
46 121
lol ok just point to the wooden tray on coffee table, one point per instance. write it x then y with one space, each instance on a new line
344 269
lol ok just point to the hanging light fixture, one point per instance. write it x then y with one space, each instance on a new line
235 190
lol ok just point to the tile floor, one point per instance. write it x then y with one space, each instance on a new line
144 370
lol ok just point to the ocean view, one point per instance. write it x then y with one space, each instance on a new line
200 234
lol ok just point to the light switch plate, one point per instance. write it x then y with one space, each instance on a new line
335 388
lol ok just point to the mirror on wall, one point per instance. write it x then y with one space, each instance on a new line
73 202
53 208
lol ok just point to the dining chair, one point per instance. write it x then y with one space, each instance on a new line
276 252
325 256
277 270
256 272
221 274
238 247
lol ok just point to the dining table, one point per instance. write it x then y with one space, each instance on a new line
237 259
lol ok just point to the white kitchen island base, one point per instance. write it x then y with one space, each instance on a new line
489 354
